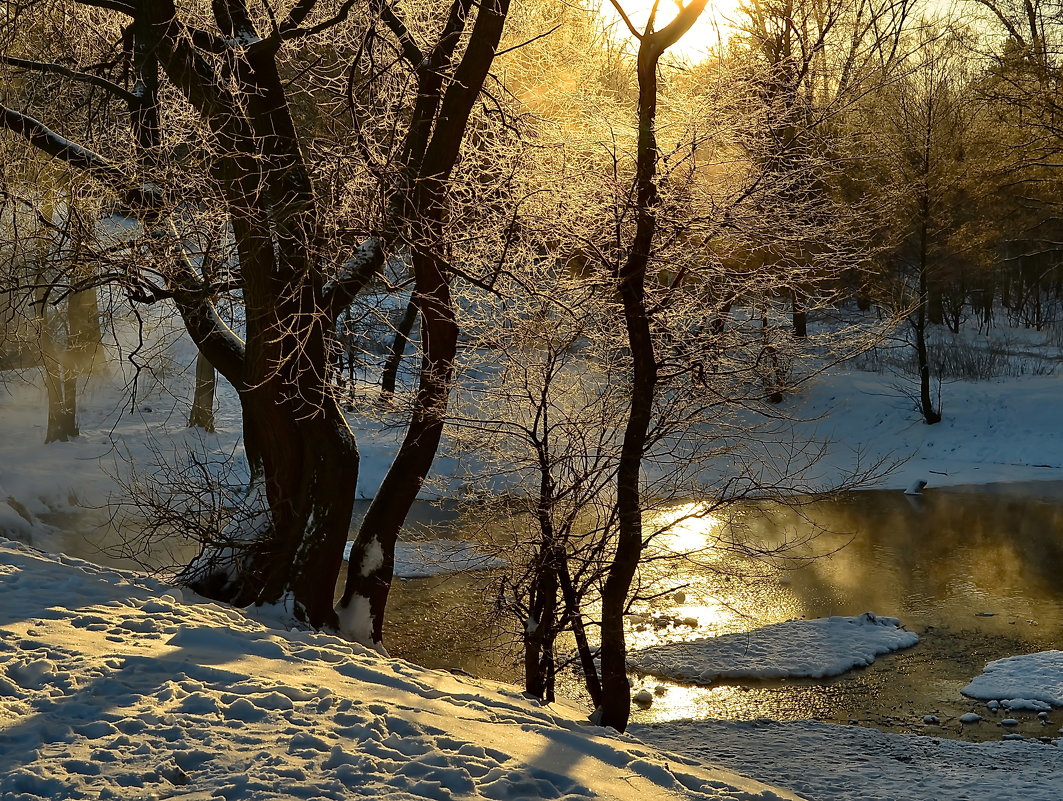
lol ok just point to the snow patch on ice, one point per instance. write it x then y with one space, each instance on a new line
797 648
1019 681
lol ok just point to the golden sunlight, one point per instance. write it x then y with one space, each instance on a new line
713 26
687 528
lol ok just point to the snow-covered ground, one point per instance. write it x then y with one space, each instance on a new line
991 431
112 685
828 762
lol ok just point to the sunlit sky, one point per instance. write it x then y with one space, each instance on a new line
707 31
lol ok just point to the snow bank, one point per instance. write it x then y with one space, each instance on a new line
991 431
113 686
827 762
826 646
425 558
1019 681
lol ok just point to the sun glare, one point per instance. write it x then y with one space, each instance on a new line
687 528
713 26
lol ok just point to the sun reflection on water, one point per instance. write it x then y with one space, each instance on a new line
685 528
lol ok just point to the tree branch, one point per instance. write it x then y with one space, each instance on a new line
113 5
627 20
45 139
529 41
212 336
674 30
366 262
291 30
410 49
66 72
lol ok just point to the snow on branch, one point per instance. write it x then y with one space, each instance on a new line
363 264
142 197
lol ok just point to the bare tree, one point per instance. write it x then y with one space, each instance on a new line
293 266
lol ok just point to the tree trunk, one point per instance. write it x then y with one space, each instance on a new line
615 707
540 630
302 452
398 347
59 380
926 404
202 412
574 610
372 560
434 152
616 692
800 315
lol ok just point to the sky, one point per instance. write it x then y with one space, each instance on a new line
711 26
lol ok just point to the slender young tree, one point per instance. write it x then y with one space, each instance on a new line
631 276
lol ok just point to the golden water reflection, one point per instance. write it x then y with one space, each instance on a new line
978 573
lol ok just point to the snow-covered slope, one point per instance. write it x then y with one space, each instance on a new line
112 686
991 431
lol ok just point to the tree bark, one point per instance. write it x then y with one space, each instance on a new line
390 374
919 324
61 388
371 566
631 276
202 412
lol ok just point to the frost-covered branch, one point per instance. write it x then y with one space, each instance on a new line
42 137
66 72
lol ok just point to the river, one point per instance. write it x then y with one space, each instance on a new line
976 571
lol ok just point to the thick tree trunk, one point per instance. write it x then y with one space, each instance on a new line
372 561
303 453
431 153
62 401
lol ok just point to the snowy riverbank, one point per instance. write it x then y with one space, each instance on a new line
993 431
113 686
